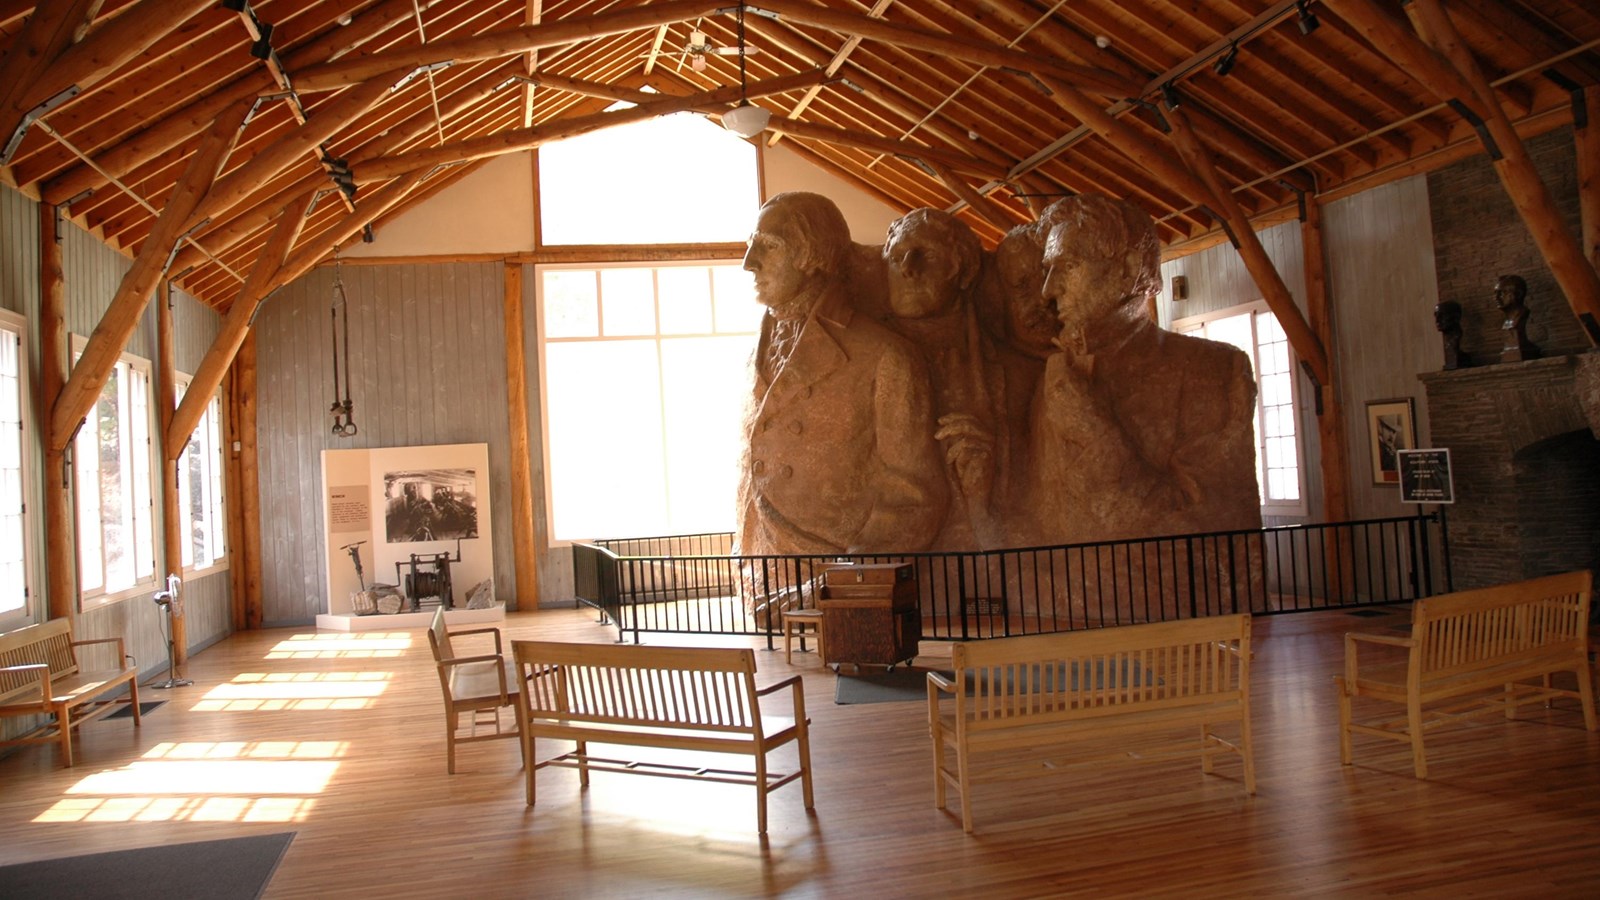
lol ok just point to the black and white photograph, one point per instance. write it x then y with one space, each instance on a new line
430 505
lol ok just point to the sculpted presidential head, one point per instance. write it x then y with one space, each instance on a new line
799 248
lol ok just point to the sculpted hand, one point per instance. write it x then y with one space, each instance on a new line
969 448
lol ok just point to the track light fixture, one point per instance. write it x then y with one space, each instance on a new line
1224 63
1308 20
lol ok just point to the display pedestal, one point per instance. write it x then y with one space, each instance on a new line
380 622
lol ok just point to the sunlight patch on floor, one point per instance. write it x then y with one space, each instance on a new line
360 645
200 781
250 691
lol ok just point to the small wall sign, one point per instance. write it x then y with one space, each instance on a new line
1425 476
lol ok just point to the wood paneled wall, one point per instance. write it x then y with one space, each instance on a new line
92 273
1381 277
427 365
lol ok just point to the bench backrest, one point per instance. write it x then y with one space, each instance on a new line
1490 626
699 687
47 642
1066 675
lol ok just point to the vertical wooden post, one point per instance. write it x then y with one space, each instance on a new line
61 565
1588 141
527 570
169 555
1330 410
235 500
244 374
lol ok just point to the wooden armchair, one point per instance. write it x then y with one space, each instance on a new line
481 685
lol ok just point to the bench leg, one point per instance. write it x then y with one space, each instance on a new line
803 747
1344 721
64 722
965 786
761 793
1586 694
1247 750
133 697
1414 724
452 720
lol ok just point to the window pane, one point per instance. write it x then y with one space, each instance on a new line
13 581
627 302
685 300
571 306
673 179
735 292
698 393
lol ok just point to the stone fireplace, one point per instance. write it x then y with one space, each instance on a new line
1526 462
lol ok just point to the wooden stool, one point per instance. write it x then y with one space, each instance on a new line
802 623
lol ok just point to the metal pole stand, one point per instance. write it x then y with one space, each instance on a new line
168 599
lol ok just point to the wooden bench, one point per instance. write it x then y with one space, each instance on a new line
670 698
39 676
1013 704
480 685
1478 649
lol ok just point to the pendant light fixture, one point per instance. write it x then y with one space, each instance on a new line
746 120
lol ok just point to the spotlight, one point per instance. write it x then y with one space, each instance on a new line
1170 96
1102 41
1308 20
1224 63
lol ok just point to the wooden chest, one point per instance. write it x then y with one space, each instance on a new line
871 616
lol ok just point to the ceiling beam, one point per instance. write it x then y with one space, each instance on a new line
521 139
876 144
851 42
343 72
183 124
235 325
1099 81
44 37
105 345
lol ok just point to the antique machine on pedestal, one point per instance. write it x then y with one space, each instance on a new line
870 615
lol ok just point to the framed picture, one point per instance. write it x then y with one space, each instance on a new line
1390 428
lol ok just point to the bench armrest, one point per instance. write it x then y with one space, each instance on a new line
1353 640
490 630
797 695
44 675
121 654
937 682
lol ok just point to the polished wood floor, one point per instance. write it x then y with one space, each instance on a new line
339 738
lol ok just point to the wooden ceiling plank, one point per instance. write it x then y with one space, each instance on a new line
511 42
235 325
1307 345
1577 277
1100 81
328 120
105 345
368 210
45 36
182 124
228 231
840 56
875 144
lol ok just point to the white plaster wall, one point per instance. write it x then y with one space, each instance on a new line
869 218
489 211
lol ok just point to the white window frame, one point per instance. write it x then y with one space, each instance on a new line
208 430
13 324
143 582
557 538
1269 506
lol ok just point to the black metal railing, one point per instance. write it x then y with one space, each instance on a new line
693 584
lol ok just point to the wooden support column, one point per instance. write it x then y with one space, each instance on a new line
1191 184
61 566
122 315
1330 410
234 326
245 519
1307 345
1588 141
169 555
522 536
1450 71
991 211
